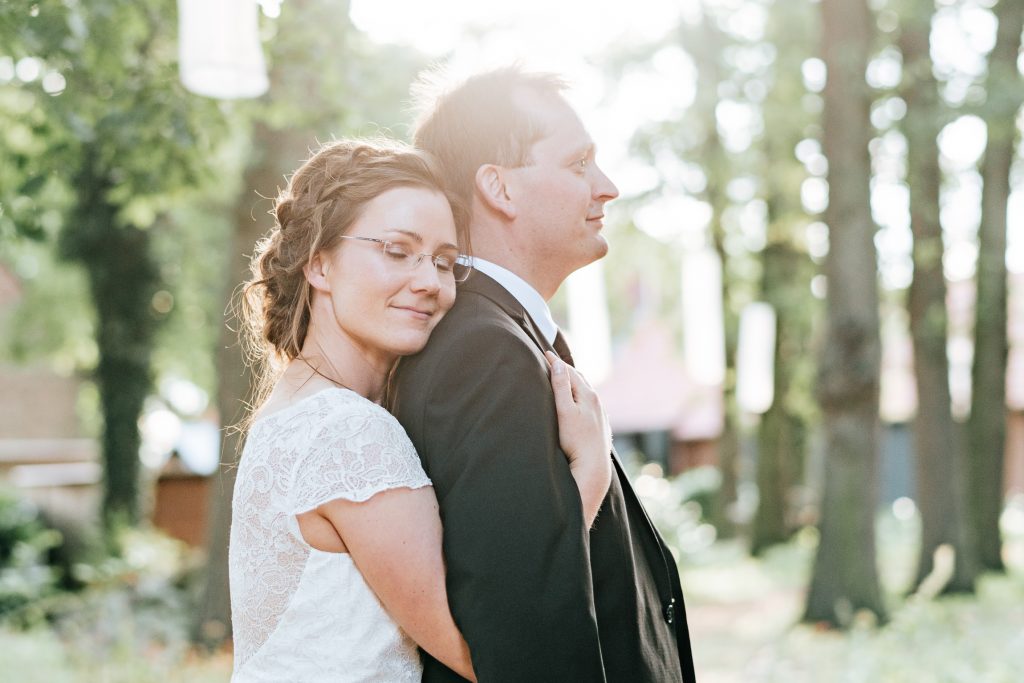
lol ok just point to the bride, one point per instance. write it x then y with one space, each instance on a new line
336 569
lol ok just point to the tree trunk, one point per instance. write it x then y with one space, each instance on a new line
123 278
274 153
774 479
123 289
781 437
722 513
845 578
786 277
940 487
987 424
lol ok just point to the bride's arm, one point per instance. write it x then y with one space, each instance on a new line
395 541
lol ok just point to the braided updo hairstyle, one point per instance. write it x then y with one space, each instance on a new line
323 199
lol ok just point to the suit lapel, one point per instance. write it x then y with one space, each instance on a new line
487 287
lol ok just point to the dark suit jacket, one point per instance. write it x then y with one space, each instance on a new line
536 596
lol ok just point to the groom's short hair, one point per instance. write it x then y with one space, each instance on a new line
478 121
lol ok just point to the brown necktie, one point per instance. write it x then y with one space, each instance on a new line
562 349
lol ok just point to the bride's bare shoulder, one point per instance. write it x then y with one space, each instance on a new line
284 396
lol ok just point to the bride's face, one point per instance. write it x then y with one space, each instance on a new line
374 289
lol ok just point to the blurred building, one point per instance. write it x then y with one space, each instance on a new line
181 502
658 411
656 408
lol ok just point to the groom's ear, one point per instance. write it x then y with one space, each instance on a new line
316 272
491 186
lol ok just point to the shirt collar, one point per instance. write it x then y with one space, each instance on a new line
526 295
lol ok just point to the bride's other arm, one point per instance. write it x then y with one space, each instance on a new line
583 434
395 541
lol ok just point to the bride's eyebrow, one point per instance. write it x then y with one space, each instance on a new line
416 237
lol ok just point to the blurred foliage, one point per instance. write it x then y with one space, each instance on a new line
105 91
129 621
139 599
176 159
191 267
54 323
105 77
26 577
680 506
112 140
100 90
42 656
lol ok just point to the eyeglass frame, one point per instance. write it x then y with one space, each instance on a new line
460 259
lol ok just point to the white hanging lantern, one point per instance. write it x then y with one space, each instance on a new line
219 48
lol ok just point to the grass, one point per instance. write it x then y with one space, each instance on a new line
41 656
976 639
744 616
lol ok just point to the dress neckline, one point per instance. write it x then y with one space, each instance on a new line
305 399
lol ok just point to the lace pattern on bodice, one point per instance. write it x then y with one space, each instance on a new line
333 444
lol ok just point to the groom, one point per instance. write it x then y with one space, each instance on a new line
538 596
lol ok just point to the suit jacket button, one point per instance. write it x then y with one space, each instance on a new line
670 611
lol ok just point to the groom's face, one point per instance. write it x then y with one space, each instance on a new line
561 192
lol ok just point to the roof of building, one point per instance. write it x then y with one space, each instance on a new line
649 389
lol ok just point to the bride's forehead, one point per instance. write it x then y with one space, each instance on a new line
414 213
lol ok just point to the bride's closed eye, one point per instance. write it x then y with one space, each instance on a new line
398 252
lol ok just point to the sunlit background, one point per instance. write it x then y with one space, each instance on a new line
575 38
649 324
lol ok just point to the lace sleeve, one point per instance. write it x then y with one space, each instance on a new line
354 452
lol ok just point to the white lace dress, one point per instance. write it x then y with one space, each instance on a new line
300 614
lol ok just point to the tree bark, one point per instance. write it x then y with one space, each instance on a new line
781 436
987 424
122 291
845 578
123 278
940 477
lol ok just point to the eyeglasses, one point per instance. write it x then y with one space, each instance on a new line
450 267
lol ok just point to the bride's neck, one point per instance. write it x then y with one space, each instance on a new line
342 363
